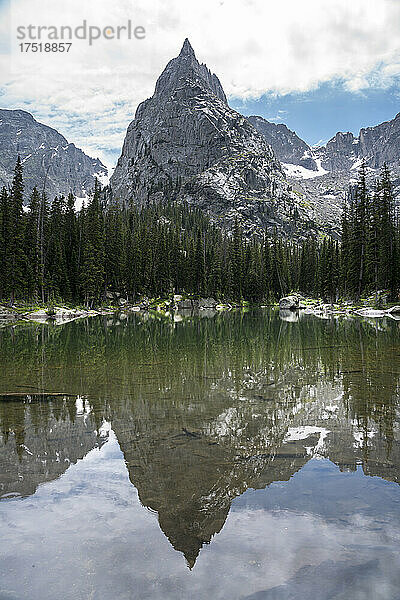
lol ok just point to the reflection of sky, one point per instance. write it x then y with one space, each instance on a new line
87 536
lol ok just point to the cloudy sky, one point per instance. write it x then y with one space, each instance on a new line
318 65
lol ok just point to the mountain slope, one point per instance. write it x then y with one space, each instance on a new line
49 161
344 152
187 139
288 147
374 145
322 175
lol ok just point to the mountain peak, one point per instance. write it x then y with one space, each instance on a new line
187 49
185 72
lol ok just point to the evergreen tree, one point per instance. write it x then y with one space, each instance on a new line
93 267
15 263
32 246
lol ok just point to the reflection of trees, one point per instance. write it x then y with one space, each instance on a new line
202 408
371 375
40 438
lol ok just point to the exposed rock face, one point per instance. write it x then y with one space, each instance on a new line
374 145
322 175
186 138
344 152
288 147
50 162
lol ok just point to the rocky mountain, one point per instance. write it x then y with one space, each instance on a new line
344 152
50 162
322 175
374 145
288 147
187 139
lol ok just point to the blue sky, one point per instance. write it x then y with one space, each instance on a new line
318 114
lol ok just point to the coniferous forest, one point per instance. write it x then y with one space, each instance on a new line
51 253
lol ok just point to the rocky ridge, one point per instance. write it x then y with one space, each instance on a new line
322 175
50 162
287 145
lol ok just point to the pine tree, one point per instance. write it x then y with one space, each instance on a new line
32 246
71 240
4 237
93 267
386 233
56 264
15 260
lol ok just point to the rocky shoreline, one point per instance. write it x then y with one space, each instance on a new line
60 315
368 308
290 308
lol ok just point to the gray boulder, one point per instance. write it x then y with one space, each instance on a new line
207 303
289 303
184 305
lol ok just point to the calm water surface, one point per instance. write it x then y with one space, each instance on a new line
228 456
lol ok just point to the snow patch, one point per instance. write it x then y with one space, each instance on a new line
105 429
103 177
300 172
82 406
302 433
26 449
360 436
357 163
81 203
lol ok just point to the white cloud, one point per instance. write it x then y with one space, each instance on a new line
255 46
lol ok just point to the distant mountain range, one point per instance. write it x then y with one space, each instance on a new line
187 141
323 174
50 162
344 152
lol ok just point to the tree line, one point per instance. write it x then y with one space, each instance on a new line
51 252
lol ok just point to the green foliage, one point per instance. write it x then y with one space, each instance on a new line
165 247
369 250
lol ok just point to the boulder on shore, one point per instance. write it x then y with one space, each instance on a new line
194 304
183 305
289 303
6 313
205 303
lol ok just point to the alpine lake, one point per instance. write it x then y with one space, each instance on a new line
244 455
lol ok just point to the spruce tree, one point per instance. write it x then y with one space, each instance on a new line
93 264
15 260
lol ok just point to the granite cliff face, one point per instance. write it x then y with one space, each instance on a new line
50 162
187 139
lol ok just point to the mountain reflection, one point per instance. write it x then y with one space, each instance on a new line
202 409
